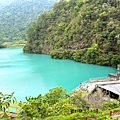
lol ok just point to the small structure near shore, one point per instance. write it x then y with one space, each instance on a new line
108 86
115 76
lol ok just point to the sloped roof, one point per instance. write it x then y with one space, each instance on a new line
115 87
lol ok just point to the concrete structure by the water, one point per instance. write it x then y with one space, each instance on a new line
110 83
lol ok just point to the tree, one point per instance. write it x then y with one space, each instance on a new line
35 107
54 95
43 106
62 107
78 99
115 60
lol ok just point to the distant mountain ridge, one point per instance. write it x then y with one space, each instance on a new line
18 16
5 3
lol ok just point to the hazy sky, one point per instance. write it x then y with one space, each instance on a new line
5 1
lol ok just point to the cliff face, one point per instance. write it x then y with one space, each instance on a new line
83 30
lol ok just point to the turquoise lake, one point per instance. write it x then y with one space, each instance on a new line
33 74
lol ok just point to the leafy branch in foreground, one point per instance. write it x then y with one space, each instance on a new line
5 100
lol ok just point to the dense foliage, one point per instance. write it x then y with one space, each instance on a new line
1 46
59 105
18 16
53 103
83 30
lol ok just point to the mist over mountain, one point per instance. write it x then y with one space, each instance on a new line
16 17
4 3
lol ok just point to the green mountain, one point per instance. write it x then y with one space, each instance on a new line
83 30
17 17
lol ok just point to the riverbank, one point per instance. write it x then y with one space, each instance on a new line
14 44
1 46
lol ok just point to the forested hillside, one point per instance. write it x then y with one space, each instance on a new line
18 16
83 30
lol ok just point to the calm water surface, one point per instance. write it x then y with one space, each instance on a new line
32 74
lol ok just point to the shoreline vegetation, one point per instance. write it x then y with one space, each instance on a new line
13 44
57 104
2 46
66 54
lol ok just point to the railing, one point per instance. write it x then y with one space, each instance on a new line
13 105
99 79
